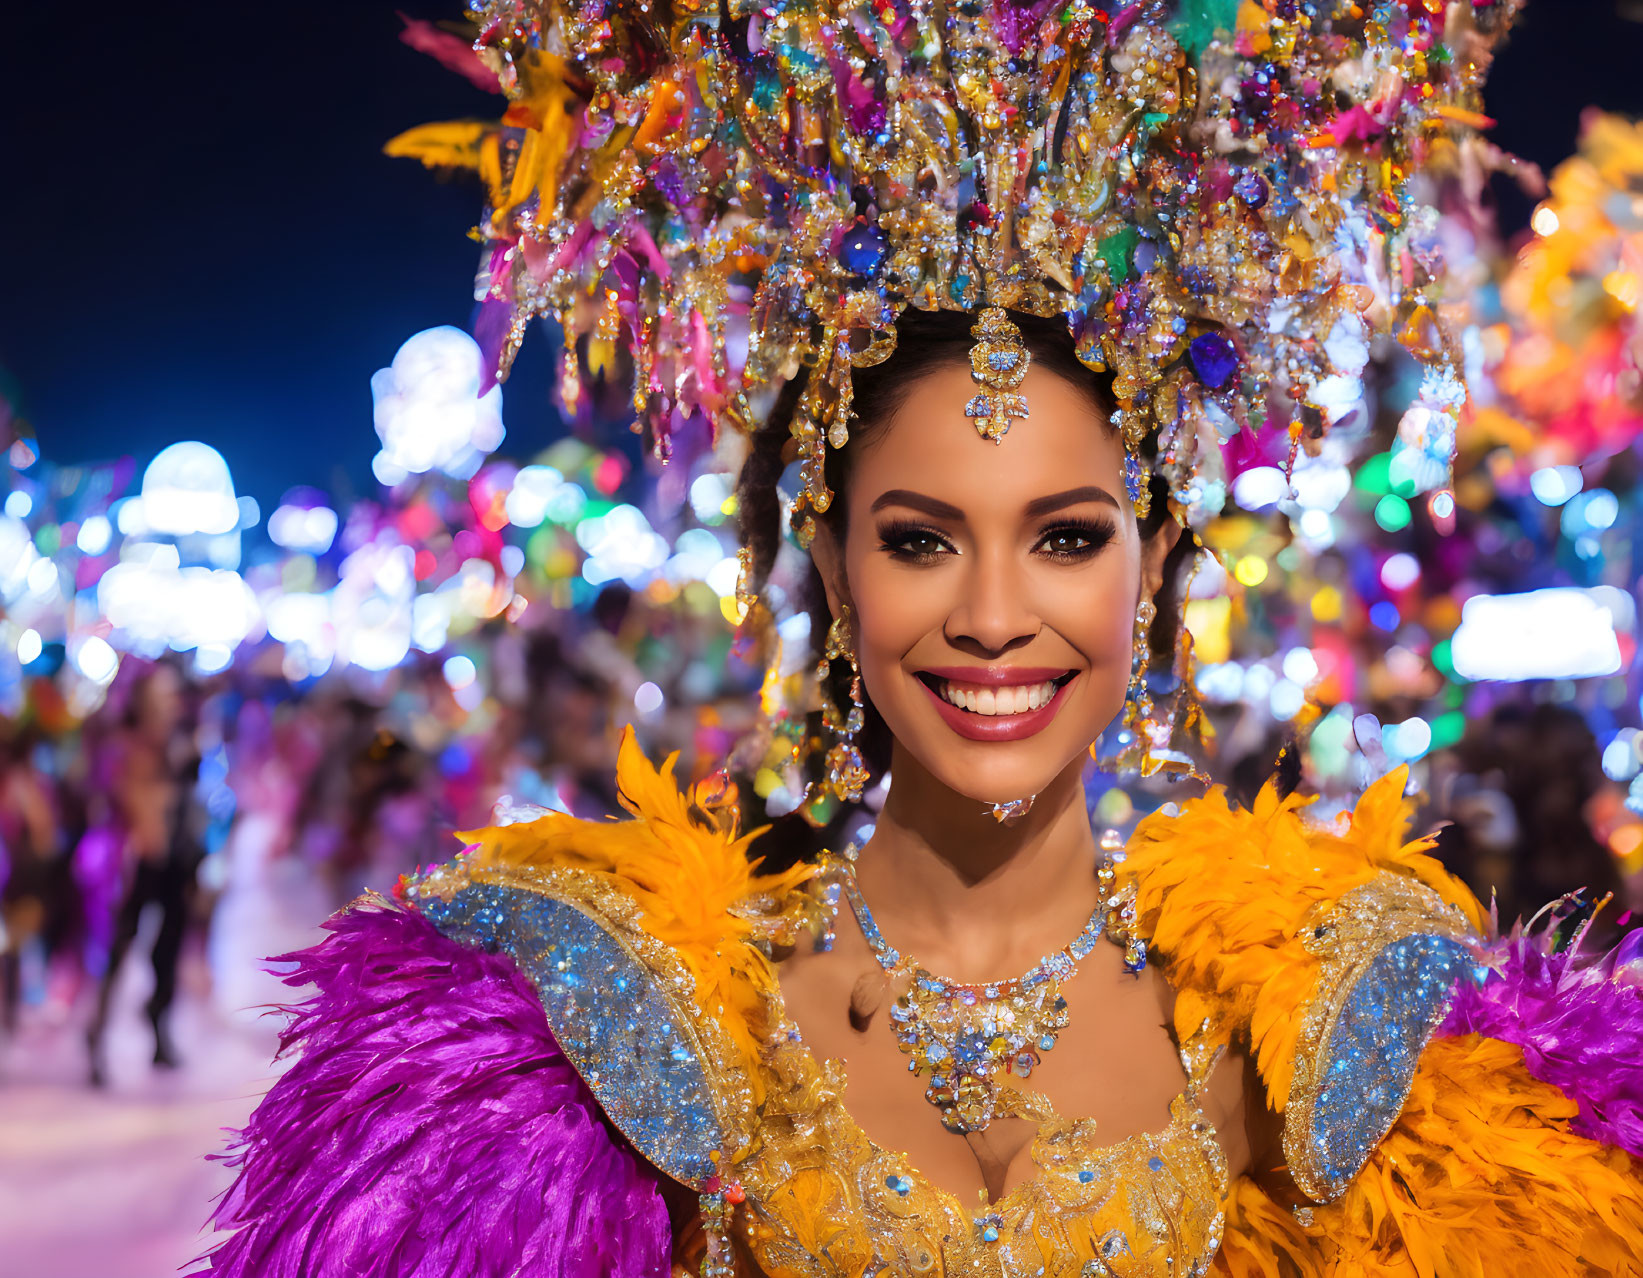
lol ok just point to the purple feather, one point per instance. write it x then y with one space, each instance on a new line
1016 21
1579 1023
432 1128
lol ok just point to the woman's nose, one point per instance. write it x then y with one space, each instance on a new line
993 613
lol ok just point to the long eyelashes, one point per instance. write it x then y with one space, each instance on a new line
913 543
1067 541
1073 541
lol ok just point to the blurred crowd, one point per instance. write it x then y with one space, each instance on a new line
208 813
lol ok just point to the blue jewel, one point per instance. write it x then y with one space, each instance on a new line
1251 189
990 1234
1085 1176
1132 476
1214 359
863 250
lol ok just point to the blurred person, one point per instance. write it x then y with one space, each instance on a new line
271 901
394 819
96 867
340 727
156 765
1530 773
571 714
29 847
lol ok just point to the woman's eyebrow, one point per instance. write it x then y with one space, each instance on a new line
1072 497
931 506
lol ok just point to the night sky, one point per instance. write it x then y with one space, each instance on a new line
202 239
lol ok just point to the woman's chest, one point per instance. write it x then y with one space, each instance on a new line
1111 1062
871 1179
822 1198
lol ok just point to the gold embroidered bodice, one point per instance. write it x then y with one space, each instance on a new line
824 1199
650 944
819 1198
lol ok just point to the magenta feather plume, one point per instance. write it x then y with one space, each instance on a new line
450 51
431 1128
1579 1022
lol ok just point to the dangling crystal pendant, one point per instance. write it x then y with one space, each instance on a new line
1013 810
998 364
847 774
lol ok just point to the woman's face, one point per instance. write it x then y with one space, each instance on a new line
994 586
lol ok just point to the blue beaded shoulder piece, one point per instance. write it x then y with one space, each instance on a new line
620 1003
1390 951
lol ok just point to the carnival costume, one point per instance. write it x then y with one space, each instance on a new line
567 1052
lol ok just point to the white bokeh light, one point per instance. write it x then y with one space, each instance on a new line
94 535
1260 487
187 489
1555 633
95 659
306 528
648 699
428 410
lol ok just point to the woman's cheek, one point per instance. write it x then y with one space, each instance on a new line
893 612
1097 616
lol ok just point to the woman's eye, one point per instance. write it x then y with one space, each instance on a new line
921 544
914 543
1065 543
1075 541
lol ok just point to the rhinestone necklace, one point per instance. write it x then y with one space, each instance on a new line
962 1035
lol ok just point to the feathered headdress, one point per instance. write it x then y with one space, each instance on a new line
1214 193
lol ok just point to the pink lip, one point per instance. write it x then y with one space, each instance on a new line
1003 727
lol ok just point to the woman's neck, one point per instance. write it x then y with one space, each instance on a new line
969 896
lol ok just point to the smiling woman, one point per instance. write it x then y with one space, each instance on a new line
995 280
990 590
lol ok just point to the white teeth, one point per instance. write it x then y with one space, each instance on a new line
1000 701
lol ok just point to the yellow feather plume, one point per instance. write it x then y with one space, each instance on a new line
453 145
686 869
1223 895
1480 1178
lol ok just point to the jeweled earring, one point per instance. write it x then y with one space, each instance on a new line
847 774
1137 699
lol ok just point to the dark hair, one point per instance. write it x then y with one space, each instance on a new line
925 342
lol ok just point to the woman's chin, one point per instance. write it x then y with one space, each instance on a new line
986 775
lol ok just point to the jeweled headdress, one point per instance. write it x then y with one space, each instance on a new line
1218 196
1214 193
